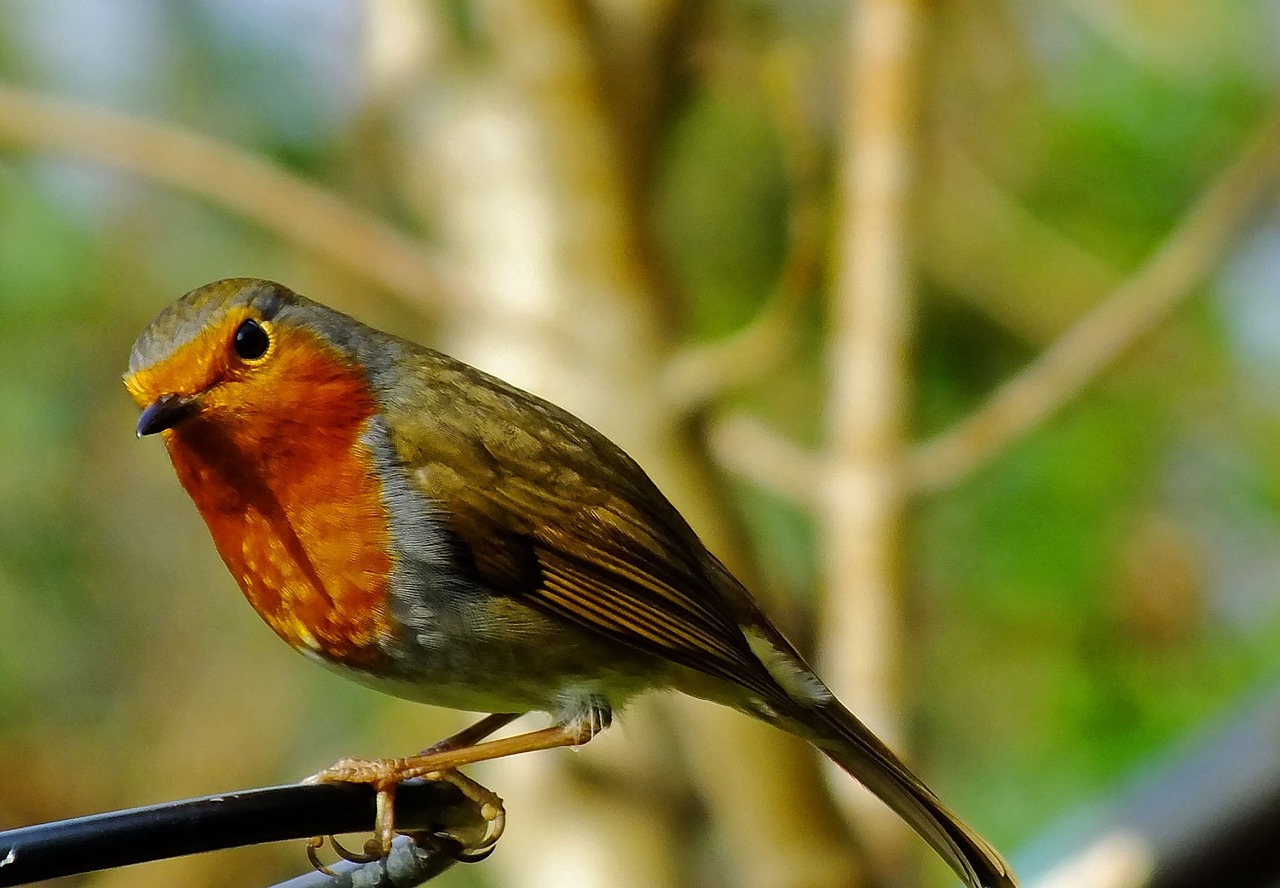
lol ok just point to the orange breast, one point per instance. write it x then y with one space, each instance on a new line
295 508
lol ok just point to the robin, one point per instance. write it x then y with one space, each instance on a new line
437 534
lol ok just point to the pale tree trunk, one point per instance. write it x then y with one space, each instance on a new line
530 217
518 167
862 497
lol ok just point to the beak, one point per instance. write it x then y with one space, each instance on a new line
166 412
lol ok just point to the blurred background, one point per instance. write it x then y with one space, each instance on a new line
952 327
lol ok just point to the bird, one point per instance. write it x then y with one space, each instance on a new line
433 532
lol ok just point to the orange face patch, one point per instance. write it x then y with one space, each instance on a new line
274 462
194 368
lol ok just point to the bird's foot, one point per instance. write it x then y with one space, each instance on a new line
491 809
385 775
442 761
378 773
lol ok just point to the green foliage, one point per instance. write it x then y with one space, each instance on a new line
46 645
721 210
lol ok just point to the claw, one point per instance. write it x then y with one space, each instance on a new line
384 775
314 844
491 809
472 855
368 855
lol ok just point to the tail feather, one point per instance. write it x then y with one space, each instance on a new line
851 745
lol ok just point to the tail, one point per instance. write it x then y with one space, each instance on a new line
851 745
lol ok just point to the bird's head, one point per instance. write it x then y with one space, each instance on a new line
246 354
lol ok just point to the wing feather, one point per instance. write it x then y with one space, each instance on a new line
556 516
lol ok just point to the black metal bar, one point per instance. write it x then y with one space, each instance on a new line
173 829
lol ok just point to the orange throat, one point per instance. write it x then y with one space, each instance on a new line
295 508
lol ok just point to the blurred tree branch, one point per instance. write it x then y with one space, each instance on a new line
641 49
697 376
751 449
1115 325
860 511
237 181
1002 253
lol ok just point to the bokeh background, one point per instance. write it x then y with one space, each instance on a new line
952 326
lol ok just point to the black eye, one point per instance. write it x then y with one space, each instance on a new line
251 340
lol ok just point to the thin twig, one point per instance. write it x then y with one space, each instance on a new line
1002 251
698 375
747 447
1146 299
239 182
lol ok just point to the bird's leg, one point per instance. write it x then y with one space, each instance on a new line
384 772
441 760
473 734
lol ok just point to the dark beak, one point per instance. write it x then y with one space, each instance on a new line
166 412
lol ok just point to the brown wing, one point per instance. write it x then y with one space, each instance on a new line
584 570
549 511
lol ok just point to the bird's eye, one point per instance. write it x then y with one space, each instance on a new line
251 340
